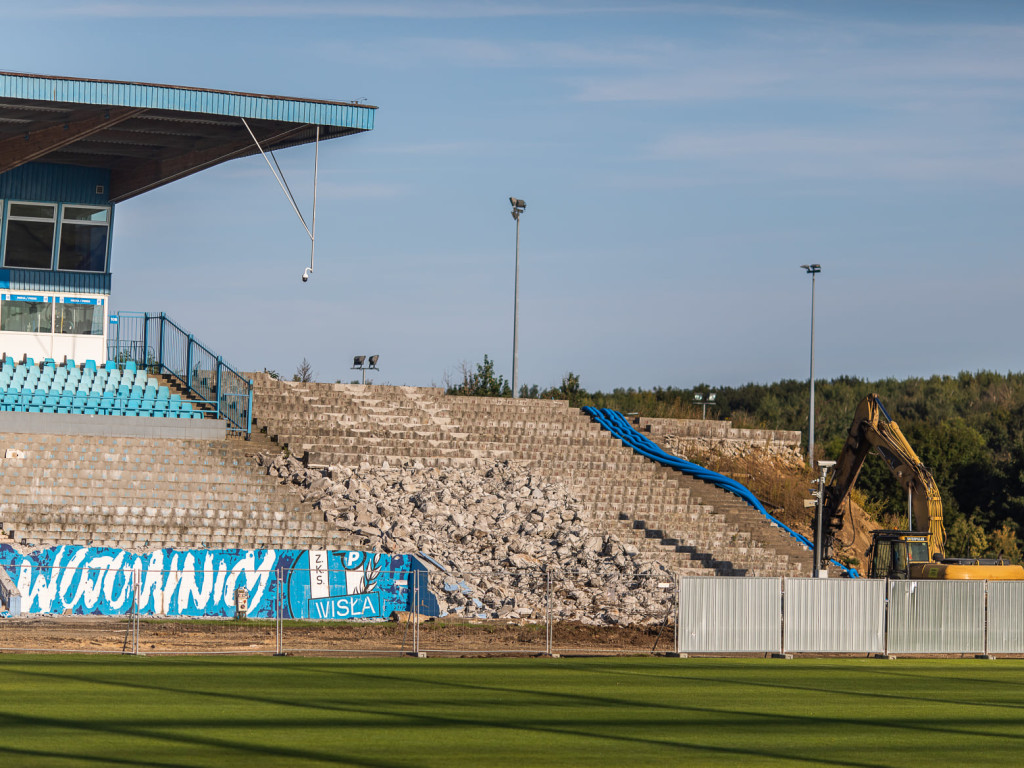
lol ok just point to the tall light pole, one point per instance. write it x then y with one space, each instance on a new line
812 270
518 206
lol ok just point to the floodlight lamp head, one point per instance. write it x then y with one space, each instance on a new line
811 269
712 396
698 397
357 361
373 360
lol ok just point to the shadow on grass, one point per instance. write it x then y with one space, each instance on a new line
659 714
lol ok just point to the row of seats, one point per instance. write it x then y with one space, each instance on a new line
86 389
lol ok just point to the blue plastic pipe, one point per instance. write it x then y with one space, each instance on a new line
616 423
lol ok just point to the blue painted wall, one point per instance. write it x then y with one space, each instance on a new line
54 183
101 581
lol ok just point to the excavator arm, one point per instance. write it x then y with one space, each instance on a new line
874 430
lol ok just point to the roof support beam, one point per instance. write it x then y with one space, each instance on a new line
35 145
155 173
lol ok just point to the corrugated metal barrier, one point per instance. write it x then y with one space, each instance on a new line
1005 617
863 616
730 615
936 617
835 615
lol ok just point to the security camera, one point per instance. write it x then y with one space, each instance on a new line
305 274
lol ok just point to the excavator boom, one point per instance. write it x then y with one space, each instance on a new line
874 430
900 554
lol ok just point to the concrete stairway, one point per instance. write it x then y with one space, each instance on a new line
692 526
141 494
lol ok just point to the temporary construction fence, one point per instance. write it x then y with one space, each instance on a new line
528 611
284 611
862 616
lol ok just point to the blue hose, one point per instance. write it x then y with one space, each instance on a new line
616 423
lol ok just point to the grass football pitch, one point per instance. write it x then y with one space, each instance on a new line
232 711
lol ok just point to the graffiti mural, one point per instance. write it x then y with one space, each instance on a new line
314 584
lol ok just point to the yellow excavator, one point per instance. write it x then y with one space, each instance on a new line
916 554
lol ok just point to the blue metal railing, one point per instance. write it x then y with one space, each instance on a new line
616 423
161 345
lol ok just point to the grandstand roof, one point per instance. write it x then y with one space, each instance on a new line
149 135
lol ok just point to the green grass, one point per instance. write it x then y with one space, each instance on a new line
231 711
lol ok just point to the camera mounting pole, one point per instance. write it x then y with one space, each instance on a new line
279 175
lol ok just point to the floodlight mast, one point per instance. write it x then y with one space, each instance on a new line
518 206
812 270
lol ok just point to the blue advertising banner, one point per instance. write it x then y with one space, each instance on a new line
314 584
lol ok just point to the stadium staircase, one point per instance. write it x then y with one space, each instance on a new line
691 526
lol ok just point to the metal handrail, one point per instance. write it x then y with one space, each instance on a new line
157 343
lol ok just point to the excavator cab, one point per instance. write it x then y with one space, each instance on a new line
898 554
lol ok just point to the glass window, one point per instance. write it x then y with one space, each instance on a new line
83 238
28 316
83 319
30 229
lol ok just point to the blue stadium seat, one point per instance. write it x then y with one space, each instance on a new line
130 366
90 365
107 403
10 400
110 365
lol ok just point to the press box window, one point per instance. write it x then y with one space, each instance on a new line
83 238
26 316
81 319
30 235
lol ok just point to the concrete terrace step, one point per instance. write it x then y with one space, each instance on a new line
660 509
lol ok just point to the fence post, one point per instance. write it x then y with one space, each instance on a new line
547 612
248 416
160 359
279 611
416 617
137 590
188 363
679 613
220 363
145 340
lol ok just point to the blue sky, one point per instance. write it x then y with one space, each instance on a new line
680 161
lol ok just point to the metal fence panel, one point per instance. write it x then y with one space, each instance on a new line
936 617
1005 617
730 615
834 615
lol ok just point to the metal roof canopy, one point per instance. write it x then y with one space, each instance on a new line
150 135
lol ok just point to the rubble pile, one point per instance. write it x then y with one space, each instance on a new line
778 455
511 544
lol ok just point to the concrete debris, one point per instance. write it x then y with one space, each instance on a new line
512 542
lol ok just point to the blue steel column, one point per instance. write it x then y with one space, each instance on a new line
220 363
145 340
163 320
188 363
248 421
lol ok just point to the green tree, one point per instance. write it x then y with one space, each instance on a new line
482 382
966 538
304 372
